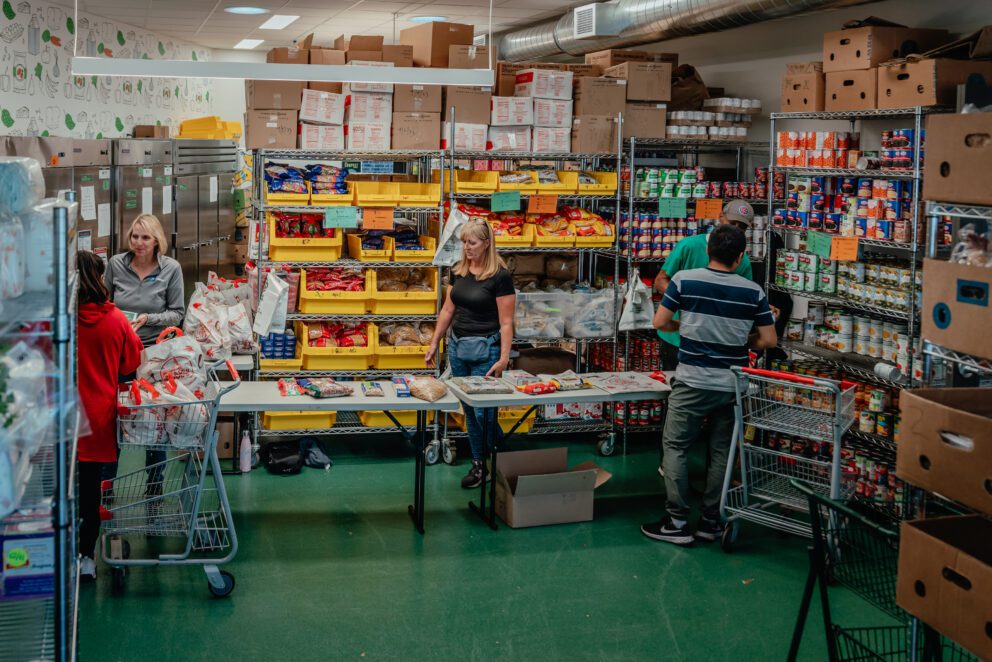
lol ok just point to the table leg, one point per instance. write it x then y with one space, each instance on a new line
420 468
487 481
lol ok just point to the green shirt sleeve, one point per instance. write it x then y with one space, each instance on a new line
675 262
744 268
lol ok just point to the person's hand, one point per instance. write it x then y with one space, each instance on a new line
498 368
139 321
430 358
775 311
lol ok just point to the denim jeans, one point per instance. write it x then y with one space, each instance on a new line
475 418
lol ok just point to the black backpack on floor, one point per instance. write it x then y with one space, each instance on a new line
283 458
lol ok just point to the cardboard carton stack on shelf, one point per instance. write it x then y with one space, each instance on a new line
472 107
649 89
416 116
550 92
369 112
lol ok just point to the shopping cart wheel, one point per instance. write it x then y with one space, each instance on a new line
432 453
607 445
227 580
448 453
729 538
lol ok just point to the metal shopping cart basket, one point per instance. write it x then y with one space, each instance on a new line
180 493
861 553
786 426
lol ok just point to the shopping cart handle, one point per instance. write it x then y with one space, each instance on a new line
775 374
235 376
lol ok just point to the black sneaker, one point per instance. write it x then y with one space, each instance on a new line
474 476
709 529
667 531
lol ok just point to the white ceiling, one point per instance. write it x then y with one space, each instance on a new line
204 22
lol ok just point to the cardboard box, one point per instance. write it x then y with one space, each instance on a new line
270 129
463 56
367 137
644 120
594 134
959 151
417 98
416 130
469 137
926 82
371 107
506 75
326 56
359 42
271 95
611 58
553 113
804 68
945 578
584 70
851 90
431 41
534 488
291 55
552 140
363 56
510 138
600 96
225 438
865 48
646 81
472 104
957 312
322 107
512 111
945 442
321 136
398 54
332 88
544 84
803 92
369 87
151 131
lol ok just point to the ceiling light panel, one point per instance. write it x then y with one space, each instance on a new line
278 22
248 44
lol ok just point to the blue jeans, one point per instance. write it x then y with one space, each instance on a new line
475 418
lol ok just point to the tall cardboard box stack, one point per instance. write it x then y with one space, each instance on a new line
649 89
416 116
369 112
510 125
473 110
550 93
271 113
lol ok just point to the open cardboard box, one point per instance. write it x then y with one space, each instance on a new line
957 307
534 488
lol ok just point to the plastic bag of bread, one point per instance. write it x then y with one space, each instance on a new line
427 388
394 274
418 275
425 332
391 286
419 287
403 335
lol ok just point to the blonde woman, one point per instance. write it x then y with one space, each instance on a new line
478 309
146 281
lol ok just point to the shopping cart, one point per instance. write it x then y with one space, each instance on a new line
808 417
857 551
172 498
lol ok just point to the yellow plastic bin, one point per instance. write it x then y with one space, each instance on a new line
406 357
470 181
334 358
526 187
282 365
419 195
426 255
526 238
287 199
606 184
508 417
333 199
401 303
553 242
568 182
336 303
298 420
377 194
314 249
596 241
378 419
356 252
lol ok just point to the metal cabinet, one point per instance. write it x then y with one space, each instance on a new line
144 180
92 179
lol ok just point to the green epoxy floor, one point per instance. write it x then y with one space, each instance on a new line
331 568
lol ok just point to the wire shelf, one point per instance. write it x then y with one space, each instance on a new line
360 374
880 113
387 155
561 196
885 444
648 143
539 156
561 426
888 246
847 172
347 422
959 211
311 209
842 302
322 317
853 364
344 262
974 364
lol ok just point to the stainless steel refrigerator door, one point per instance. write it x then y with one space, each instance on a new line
187 229
227 262
209 186
129 184
93 191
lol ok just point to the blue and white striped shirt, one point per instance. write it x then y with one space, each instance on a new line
718 310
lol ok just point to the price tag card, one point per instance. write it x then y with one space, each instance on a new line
671 208
846 249
542 204
709 208
340 217
819 243
506 201
377 218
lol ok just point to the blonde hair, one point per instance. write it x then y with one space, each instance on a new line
480 230
152 226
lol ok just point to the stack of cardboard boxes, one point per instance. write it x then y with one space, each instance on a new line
550 92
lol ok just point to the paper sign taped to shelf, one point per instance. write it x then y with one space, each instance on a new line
542 204
671 208
377 218
340 217
846 249
147 201
709 208
506 201
377 167
87 203
818 243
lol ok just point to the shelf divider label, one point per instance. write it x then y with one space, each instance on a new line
846 249
505 201
542 204
819 243
672 208
709 208
340 217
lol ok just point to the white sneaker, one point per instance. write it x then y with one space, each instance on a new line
87 569
661 471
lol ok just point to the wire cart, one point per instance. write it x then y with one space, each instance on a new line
171 498
818 410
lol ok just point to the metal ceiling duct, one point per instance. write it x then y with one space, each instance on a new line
646 21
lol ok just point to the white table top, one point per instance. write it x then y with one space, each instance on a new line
243 361
265 396
520 399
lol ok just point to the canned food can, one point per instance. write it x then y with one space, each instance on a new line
809 284
842 343
827 284
815 313
808 263
875 329
866 422
861 345
794 330
878 400
883 424
875 348
890 353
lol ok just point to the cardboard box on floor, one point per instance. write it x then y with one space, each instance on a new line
462 56
416 130
851 90
803 92
273 94
431 41
959 151
225 438
534 488
472 104
599 96
945 578
957 312
646 81
611 58
867 47
644 120
926 82
417 98
594 134
270 129
945 442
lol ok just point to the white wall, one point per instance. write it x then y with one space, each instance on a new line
230 93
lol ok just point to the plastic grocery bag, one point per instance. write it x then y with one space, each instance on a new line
271 315
239 328
233 291
638 311
207 322
142 425
185 423
12 268
178 355
450 250
27 419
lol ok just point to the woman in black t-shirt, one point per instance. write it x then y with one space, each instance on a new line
478 310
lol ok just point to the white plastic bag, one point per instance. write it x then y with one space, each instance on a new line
186 423
142 426
180 356
38 232
22 184
271 314
239 327
450 250
12 268
32 419
638 311
207 322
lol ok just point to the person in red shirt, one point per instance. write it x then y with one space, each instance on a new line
108 350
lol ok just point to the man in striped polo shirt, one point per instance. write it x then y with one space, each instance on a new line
718 310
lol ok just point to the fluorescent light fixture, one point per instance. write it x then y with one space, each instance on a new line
332 73
278 22
427 19
248 44
246 11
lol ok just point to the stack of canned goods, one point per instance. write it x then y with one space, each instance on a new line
761 183
883 284
670 183
644 353
645 412
652 236
898 149
805 272
757 247
815 149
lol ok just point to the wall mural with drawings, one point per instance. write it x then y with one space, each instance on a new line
39 96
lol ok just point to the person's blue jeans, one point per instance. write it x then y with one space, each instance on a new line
476 419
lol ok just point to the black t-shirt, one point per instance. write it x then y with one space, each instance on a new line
476 313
